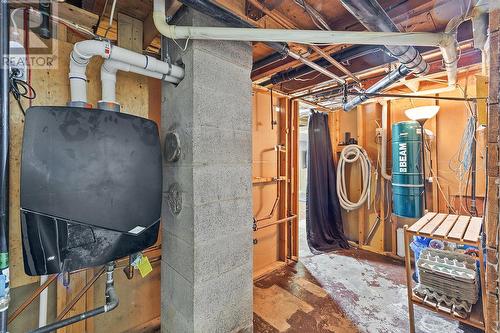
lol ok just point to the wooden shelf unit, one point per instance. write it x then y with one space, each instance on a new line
452 228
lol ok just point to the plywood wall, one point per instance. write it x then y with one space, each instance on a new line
264 165
139 298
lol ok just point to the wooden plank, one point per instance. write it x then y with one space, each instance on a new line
446 226
129 33
474 229
423 221
433 224
459 228
76 15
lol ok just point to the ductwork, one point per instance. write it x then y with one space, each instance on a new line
374 18
384 83
85 50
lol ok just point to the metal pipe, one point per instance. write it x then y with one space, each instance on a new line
342 56
111 303
384 83
33 296
422 142
4 163
82 292
456 99
289 25
269 60
374 18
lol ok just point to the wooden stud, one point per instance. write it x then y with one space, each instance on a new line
361 141
411 313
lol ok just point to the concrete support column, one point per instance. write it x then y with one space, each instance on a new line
207 238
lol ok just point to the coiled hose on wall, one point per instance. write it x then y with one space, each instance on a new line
352 154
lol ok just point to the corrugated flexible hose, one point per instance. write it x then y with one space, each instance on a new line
351 154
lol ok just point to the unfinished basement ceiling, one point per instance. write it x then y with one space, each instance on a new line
408 15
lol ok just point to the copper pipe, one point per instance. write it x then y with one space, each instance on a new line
278 177
82 292
286 219
30 299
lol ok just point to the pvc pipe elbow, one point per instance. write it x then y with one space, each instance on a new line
161 24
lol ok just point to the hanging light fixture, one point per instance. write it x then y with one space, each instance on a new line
421 114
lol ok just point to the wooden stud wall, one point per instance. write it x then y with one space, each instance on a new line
447 126
277 244
491 221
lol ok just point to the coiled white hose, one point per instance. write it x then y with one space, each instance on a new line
352 154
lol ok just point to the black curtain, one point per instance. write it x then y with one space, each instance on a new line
323 216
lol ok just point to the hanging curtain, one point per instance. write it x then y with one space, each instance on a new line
323 216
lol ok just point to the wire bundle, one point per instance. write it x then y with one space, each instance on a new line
20 89
464 153
352 154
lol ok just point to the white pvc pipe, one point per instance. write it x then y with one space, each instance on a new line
42 310
83 51
108 77
446 42
297 36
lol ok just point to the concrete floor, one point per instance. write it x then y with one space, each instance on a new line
342 292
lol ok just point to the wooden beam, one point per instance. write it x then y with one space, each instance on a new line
76 15
149 31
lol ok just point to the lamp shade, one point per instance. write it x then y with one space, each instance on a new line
422 113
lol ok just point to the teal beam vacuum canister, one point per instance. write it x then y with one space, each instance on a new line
407 183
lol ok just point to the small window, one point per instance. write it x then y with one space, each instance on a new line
304 159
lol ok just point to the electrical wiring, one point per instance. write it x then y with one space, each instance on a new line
315 16
463 156
20 89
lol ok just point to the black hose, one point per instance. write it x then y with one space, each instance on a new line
4 158
45 10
